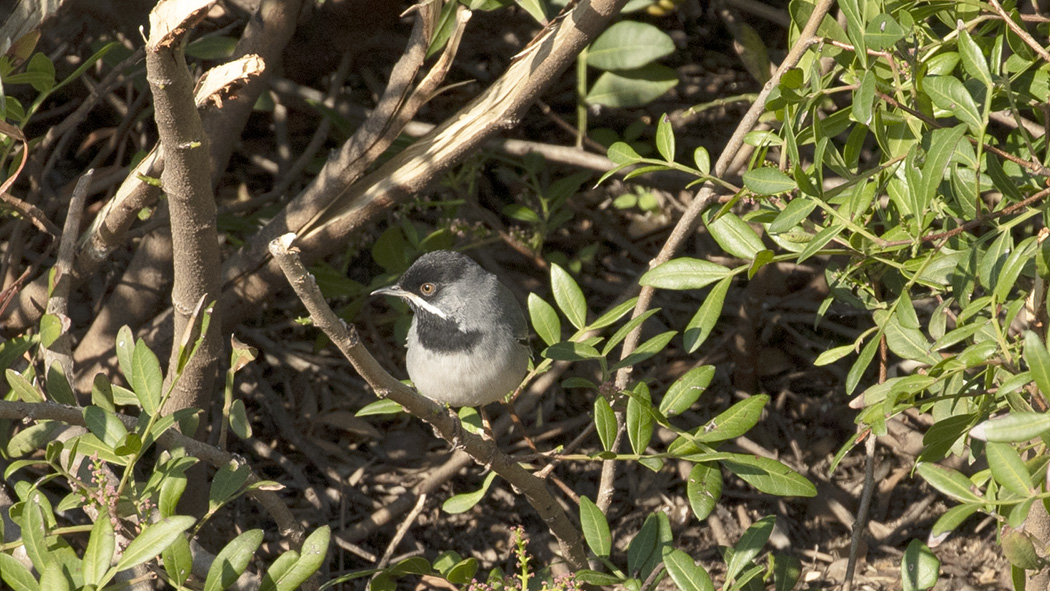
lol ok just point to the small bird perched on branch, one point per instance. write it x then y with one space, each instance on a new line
466 342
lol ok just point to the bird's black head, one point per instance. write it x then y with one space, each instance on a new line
431 276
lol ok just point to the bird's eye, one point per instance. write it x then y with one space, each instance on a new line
427 289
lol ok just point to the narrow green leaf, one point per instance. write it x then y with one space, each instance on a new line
278 570
605 422
568 296
949 482
595 528
571 351
687 574
146 378
735 420
312 555
735 236
793 213
622 332
384 406
856 371
973 59
1038 360
770 476
703 322
684 273
239 423
57 385
23 388
16 575
639 420
749 545
686 390
544 319
647 547
464 502
948 93
99 552
153 540
645 350
632 88
832 355
819 241
178 562
704 489
768 181
125 346
1015 427
231 561
664 135
615 313
864 98
34 532
953 518
622 153
1008 468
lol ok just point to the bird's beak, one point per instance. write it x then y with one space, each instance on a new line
393 290
413 300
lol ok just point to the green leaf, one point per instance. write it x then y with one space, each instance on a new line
99 550
632 88
605 422
1038 360
51 328
53 579
34 532
704 489
571 351
706 317
104 425
645 350
312 555
949 482
125 346
622 332
948 93
464 502
622 153
615 313
534 8
820 241
647 547
627 45
768 181
517 211
1008 468
58 387
973 59
16 575
832 355
146 378
153 540
544 319
178 562
864 99
787 570
226 483
22 387
239 423
735 420
883 32
686 390
856 371
770 476
665 137
383 406
639 421
793 213
684 273
919 567
231 561
749 545
685 573
953 518
568 296
735 236
595 528
1015 427
702 158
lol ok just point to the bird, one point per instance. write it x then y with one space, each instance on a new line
467 341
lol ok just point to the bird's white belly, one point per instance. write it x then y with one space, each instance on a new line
469 378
